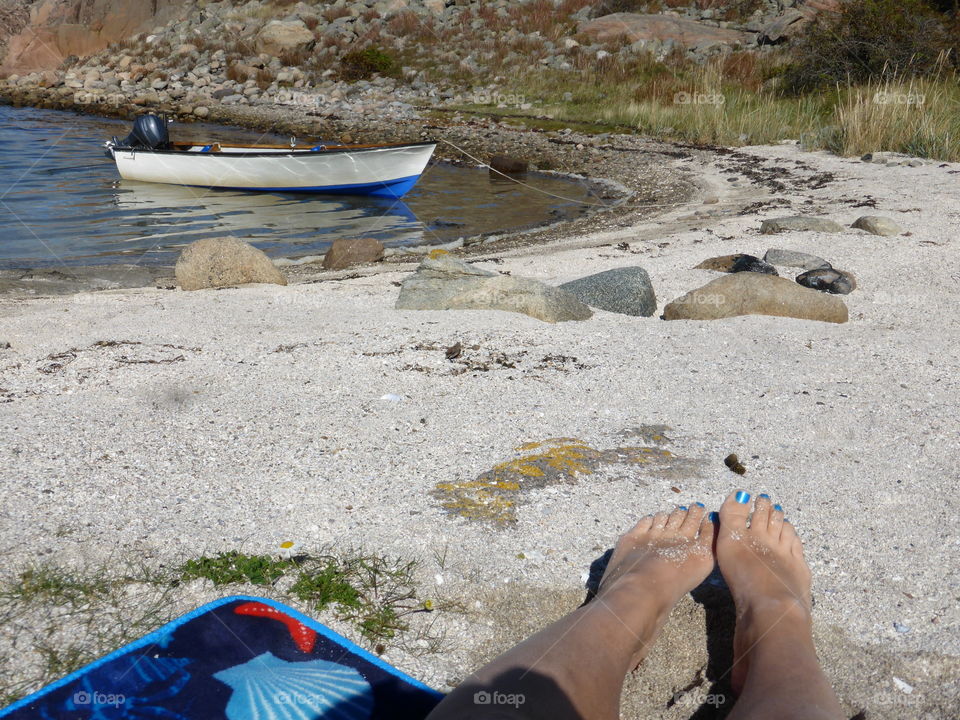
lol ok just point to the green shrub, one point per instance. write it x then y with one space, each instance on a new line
364 64
869 40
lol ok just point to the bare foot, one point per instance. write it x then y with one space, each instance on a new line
769 579
653 565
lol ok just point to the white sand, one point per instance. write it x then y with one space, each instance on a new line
857 426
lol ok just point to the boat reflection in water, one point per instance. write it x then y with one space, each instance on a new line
292 224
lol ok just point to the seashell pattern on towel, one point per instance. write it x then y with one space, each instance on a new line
268 688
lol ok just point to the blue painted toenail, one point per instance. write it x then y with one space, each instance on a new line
742 497
714 516
682 507
778 508
699 504
765 496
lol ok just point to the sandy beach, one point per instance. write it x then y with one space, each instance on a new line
166 424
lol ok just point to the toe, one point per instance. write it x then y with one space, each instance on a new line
676 518
708 528
734 512
760 522
643 525
776 521
660 521
691 523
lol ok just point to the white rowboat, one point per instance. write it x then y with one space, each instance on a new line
380 170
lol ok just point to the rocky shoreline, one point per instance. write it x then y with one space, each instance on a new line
631 178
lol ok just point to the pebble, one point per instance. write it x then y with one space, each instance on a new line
830 280
900 627
902 686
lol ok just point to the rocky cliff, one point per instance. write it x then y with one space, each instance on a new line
39 34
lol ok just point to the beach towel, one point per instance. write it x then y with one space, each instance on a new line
239 658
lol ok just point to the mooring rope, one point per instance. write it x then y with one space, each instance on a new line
554 195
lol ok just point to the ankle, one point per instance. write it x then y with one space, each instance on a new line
778 617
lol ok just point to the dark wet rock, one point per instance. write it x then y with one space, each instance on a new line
877 225
737 263
755 294
800 222
627 291
508 165
345 252
222 262
445 283
793 258
829 280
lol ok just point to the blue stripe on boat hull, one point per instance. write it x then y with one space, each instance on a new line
387 188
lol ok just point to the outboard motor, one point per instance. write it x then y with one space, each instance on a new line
149 133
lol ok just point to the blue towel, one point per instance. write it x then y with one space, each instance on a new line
239 658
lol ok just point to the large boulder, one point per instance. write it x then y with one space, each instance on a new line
800 223
633 27
445 283
57 29
279 36
755 294
222 262
877 225
627 291
345 252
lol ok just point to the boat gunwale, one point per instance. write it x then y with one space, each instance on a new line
292 152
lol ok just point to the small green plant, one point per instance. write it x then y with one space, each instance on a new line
364 64
49 583
326 585
233 567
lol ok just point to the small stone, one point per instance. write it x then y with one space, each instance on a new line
627 291
507 165
733 462
737 263
902 686
345 252
792 258
900 627
877 225
916 163
830 280
201 111
800 223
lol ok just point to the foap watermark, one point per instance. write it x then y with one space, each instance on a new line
300 99
698 698
96 698
698 98
299 698
94 98
483 697
496 98
886 97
